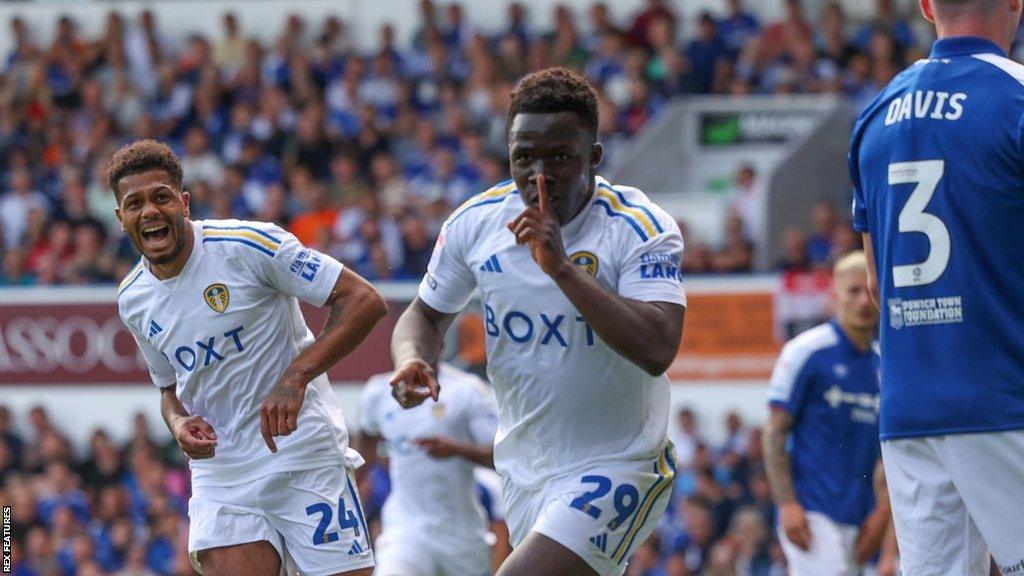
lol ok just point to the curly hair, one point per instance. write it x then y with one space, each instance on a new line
142 156
555 90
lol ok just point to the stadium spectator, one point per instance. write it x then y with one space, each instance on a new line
16 204
705 55
794 258
13 272
686 437
316 216
737 253
886 17
639 31
819 242
738 27
198 161
748 200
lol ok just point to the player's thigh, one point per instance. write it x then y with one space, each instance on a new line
828 554
319 516
463 559
603 513
252 558
224 520
935 532
402 554
988 471
538 555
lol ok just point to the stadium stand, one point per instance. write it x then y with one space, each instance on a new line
361 154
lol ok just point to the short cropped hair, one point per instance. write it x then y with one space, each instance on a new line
855 260
965 6
142 156
555 90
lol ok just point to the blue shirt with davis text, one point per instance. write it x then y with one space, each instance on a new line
937 163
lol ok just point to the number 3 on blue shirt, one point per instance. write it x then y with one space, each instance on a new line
346 519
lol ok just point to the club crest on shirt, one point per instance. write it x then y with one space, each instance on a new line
437 411
896 313
217 297
585 260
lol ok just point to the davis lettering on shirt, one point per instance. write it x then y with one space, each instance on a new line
932 104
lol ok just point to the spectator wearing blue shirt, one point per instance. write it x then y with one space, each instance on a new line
886 18
738 28
704 55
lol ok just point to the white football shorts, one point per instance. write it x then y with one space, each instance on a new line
831 552
312 517
955 500
601 513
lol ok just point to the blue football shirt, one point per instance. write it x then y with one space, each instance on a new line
937 163
830 388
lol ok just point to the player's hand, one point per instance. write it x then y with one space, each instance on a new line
870 536
195 437
414 381
438 446
794 524
279 413
539 229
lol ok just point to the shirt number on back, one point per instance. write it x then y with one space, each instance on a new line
926 175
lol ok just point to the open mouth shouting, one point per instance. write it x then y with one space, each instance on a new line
156 237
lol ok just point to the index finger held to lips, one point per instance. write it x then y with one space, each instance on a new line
542 194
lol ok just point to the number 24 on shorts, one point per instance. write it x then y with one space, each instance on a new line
346 519
625 500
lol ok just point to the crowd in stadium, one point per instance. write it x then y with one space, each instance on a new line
119 507
363 154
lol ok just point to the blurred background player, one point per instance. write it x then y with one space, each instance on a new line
936 161
212 305
433 521
821 441
583 308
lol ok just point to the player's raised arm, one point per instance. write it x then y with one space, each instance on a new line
645 333
415 346
356 307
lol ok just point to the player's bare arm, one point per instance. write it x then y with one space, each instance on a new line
356 307
873 530
792 517
872 274
415 346
645 333
442 447
194 436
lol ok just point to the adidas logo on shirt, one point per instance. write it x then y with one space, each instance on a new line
491 265
154 328
356 549
600 541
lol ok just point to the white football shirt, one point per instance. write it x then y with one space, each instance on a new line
565 398
224 330
433 494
